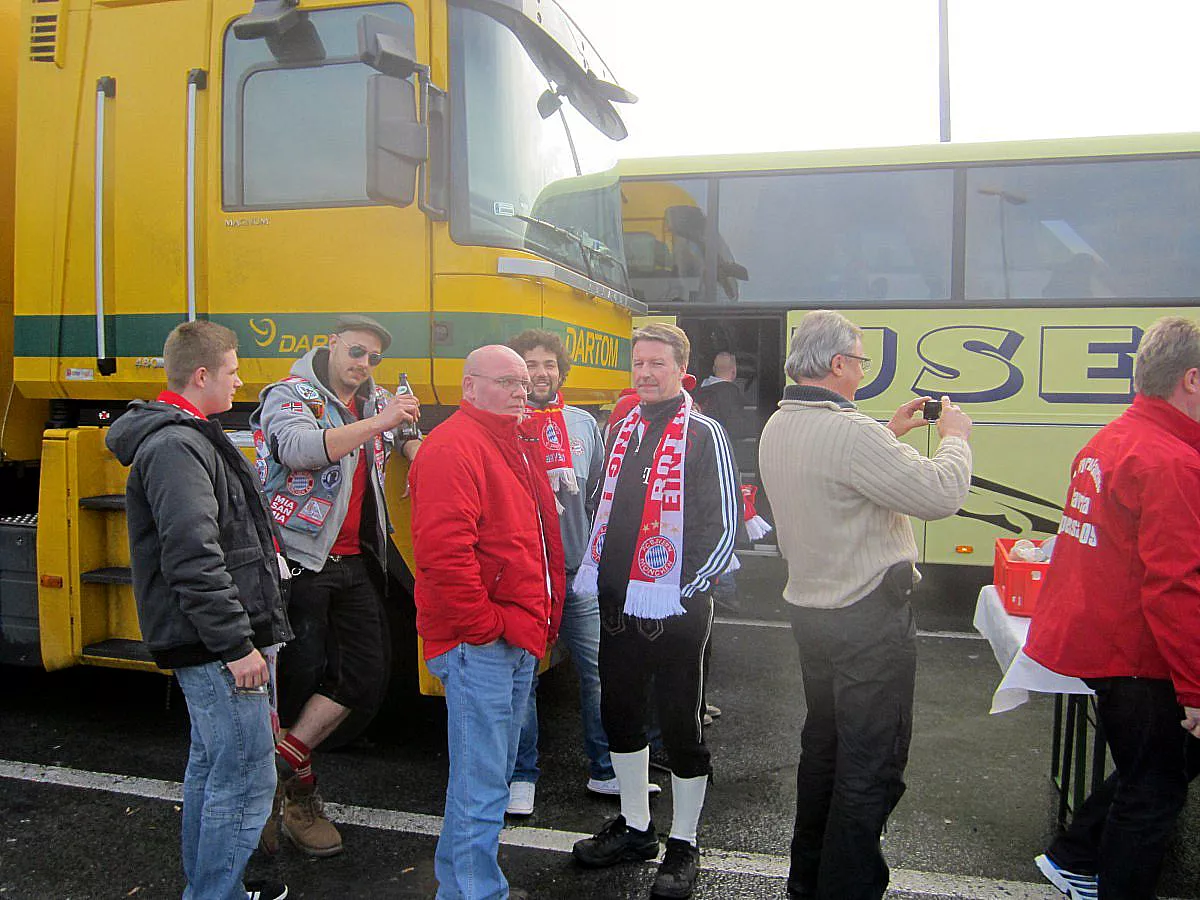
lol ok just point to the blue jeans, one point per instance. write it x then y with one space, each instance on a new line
580 632
487 688
229 783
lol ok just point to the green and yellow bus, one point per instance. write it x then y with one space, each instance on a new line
1017 278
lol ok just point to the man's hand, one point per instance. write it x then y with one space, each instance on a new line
399 411
954 422
1191 722
908 417
250 671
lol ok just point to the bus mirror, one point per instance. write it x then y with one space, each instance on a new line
386 46
729 269
397 143
686 222
266 19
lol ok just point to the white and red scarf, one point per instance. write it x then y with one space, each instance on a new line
548 426
654 575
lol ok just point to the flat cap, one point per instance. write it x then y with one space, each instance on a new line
356 322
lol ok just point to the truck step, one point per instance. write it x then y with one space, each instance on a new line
117 649
105 502
110 575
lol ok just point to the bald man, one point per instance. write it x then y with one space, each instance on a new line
489 592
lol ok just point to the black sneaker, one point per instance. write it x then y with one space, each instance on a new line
265 890
677 872
616 842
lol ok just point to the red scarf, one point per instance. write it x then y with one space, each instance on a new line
654 575
547 426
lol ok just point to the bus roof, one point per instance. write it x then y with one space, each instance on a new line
919 154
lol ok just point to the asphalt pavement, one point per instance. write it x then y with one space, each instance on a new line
91 760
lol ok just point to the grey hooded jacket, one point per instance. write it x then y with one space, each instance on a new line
205 573
308 492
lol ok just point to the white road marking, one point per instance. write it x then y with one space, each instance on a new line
773 623
729 862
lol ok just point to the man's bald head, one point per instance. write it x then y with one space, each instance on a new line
496 380
725 366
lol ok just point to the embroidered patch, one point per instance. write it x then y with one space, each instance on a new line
261 465
315 511
576 446
307 391
656 557
318 407
292 406
301 483
598 544
260 445
282 508
331 477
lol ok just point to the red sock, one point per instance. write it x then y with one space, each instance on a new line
297 755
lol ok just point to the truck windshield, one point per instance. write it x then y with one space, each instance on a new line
519 180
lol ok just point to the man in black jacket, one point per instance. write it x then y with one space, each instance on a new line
207 580
667 514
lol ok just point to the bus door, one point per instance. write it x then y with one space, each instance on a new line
758 346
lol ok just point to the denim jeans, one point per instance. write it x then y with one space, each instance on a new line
580 632
229 783
487 688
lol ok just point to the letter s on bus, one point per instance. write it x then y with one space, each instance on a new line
969 363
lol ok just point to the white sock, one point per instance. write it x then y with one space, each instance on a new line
688 794
633 776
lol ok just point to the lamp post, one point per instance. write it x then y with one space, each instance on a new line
1005 198
943 71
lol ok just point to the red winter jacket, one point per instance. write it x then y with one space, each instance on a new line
1122 596
481 568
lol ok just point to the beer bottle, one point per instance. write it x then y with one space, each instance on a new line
409 430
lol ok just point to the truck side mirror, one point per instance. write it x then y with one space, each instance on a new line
397 143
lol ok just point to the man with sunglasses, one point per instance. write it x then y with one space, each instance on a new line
842 487
322 437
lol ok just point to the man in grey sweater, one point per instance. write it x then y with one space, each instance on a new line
842 487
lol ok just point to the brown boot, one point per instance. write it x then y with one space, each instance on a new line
268 841
304 820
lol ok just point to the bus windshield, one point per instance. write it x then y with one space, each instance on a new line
511 168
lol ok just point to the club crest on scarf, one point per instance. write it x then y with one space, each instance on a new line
548 427
654 577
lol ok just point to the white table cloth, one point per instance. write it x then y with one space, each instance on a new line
1007 633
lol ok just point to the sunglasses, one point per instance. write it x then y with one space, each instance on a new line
358 351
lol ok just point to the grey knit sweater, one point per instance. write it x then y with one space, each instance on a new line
841 488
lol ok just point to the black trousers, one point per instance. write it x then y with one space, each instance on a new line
859 669
665 657
1121 831
338 650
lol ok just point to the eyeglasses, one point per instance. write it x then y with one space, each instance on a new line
865 360
507 382
358 351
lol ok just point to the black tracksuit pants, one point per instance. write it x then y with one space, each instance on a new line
859 667
666 657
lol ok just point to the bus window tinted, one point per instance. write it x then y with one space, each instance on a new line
664 226
1089 230
853 236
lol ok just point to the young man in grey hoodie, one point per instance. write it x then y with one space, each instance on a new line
207 581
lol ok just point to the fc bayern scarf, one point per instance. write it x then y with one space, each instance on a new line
547 425
654 575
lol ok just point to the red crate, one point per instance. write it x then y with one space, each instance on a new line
1018 583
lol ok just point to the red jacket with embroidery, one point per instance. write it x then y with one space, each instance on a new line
1122 596
482 512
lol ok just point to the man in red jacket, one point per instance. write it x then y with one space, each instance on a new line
489 592
1120 608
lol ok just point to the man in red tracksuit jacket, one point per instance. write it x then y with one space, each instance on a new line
1120 608
490 583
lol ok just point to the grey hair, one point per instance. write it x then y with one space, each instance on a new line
820 336
1168 349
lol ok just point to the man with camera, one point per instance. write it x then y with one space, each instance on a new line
842 487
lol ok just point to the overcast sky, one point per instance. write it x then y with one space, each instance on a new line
750 75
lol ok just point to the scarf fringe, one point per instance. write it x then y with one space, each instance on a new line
757 528
648 600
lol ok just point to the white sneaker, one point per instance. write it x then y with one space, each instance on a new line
520 798
610 787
